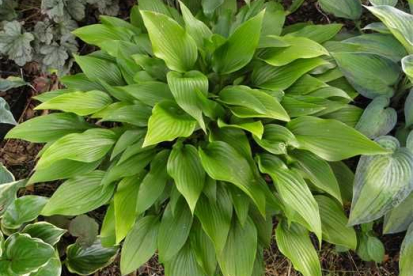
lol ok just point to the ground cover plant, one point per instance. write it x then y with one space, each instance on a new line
200 132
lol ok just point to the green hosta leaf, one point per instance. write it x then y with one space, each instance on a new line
399 218
350 9
255 127
11 82
136 114
370 74
140 244
295 243
196 28
184 166
204 250
125 200
378 119
128 138
377 27
350 115
183 88
407 65
96 34
170 41
175 224
85 229
331 139
300 47
405 264
241 204
273 22
108 231
5 175
381 182
78 82
79 195
100 69
238 255
318 171
280 78
15 43
383 2
45 231
184 263
8 193
6 117
48 128
23 209
80 103
73 147
250 103
408 110
334 223
209 6
222 162
24 254
276 139
239 49
345 178
86 261
318 33
293 191
398 22
167 123
149 93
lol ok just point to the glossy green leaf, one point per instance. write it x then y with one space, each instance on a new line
255 127
140 244
318 33
170 41
23 209
204 250
294 242
345 179
108 230
276 139
399 218
79 195
149 93
196 28
167 123
45 231
381 182
96 34
184 263
331 139
239 49
350 9
222 162
406 253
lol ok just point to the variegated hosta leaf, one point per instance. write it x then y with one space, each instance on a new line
378 119
406 254
398 22
350 9
294 242
381 182
6 117
398 219
407 66
372 75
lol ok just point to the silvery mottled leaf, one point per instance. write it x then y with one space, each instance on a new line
53 8
381 182
11 82
65 26
76 9
378 119
55 56
15 44
6 117
43 31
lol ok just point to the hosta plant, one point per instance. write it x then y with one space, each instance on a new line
379 66
197 132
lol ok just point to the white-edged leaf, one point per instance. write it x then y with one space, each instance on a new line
23 209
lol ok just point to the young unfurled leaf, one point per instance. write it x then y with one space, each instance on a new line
350 9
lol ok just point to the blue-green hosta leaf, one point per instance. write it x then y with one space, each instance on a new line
24 254
378 119
250 103
406 253
408 109
183 87
293 191
407 66
318 171
175 224
332 140
45 231
184 166
294 242
168 122
372 75
79 195
399 23
196 28
88 260
16 44
280 78
184 263
381 182
85 229
300 47
6 117
48 128
334 223
140 244
23 209
239 252
96 34
255 127
5 175
80 103
276 139
11 82
170 41
399 218
240 47
73 147
222 162
318 33
383 2
350 9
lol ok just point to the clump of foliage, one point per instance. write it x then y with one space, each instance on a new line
198 131
31 247
49 41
